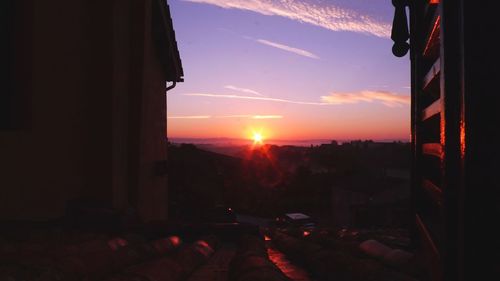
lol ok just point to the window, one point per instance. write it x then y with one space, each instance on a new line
16 30
7 65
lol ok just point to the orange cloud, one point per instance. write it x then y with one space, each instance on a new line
227 116
387 98
327 16
267 117
251 116
190 117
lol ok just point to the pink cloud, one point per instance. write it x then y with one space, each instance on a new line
387 98
327 16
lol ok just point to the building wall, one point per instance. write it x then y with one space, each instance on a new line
97 112
122 89
152 196
42 165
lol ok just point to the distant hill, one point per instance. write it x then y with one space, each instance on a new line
200 179
229 150
270 179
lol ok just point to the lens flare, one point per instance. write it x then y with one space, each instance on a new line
257 138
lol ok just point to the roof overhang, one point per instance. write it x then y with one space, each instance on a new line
164 35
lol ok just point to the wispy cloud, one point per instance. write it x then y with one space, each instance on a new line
267 117
288 49
255 98
252 116
243 90
190 117
329 16
387 98
249 116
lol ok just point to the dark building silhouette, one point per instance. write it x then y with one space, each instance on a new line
83 106
455 179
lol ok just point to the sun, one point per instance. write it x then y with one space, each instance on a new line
257 138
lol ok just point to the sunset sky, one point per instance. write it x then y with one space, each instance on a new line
288 69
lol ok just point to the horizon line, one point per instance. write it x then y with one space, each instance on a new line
269 141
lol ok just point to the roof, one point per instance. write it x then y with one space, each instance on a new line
163 31
297 216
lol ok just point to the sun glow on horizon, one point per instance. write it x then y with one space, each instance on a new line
257 138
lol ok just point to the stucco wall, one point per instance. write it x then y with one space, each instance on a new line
153 194
97 102
42 165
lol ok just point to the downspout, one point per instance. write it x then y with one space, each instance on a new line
168 89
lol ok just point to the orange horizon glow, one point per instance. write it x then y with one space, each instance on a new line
298 133
380 126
